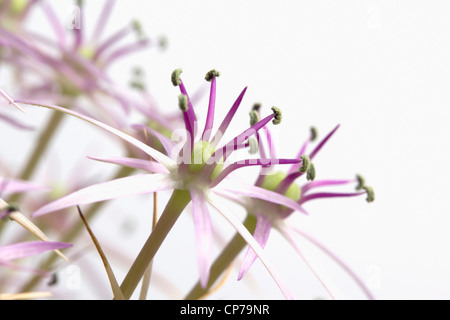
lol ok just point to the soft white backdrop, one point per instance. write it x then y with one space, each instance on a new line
379 68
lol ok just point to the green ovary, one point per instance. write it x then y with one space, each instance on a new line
202 151
271 182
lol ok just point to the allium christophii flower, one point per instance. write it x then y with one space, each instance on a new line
271 215
73 65
195 165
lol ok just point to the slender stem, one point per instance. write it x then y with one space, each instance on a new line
43 143
75 231
177 203
224 260
148 273
36 155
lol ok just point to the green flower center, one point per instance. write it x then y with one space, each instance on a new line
201 153
271 182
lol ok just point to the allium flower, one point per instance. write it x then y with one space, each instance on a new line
74 66
270 215
194 169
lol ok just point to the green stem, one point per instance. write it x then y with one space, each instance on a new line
224 260
177 203
42 145
33 161
74 231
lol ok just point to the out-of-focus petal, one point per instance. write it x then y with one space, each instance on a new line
146 165
133 185
242 230
261 235
203 234
27 249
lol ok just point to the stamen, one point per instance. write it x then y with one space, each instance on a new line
361 182
183 102
314 134
311 174
211 77
254 117
306 163
257 107
254 146
370 194
212 74
277 115
176 77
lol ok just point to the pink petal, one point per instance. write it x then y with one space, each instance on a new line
239 227
11 186
339 261
155 154
165 141
203 234
145 165
262 194
27 249
261 235
133 185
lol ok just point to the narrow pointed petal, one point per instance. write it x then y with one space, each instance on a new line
27 224
141 164
203 234
168 144
226 122
242 230
10 100
15 123
320 275
262 194
133 185
321 195
27 249
11 186
322 143
261 235
211 108
338 260
323 183
155 154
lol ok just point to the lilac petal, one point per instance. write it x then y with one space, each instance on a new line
15 123
261 235
339 261
211 107
10 100
155 154
288 236
168 144
18 267
242 230
321 195
203 234
60 31
262 194
103 18
146 165
322 183
226 122
322 143
27 249
249 162
11 186
132 185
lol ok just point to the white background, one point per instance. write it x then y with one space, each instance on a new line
379 68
